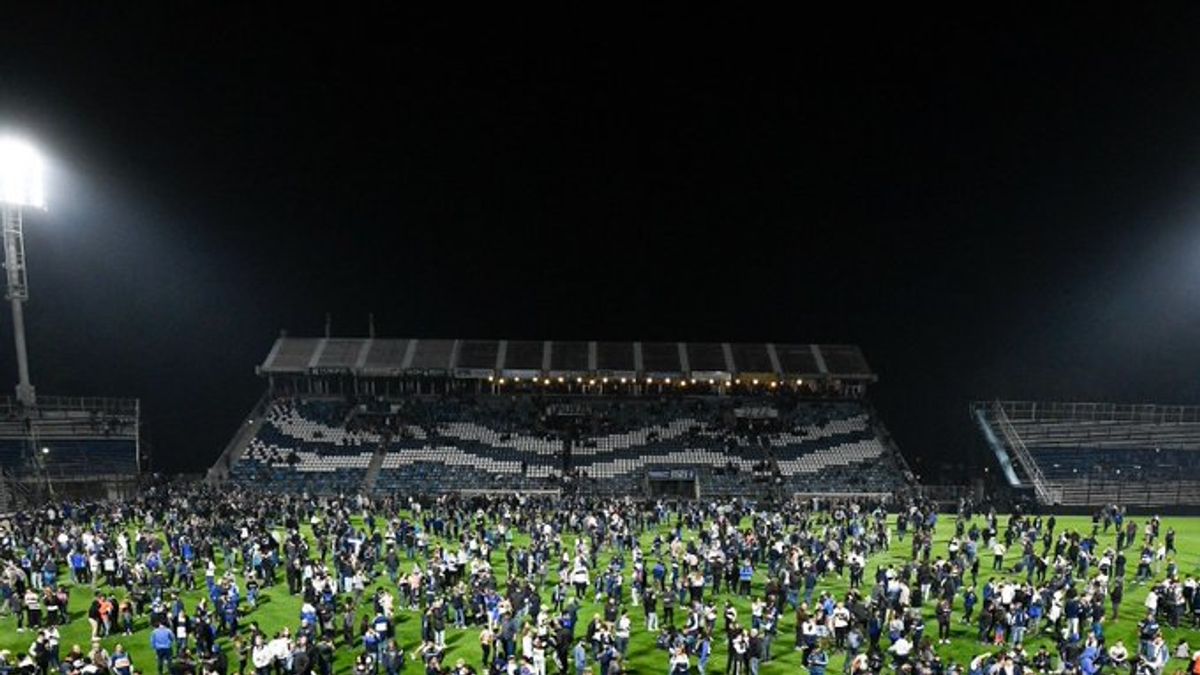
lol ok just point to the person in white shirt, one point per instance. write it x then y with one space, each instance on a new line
900 650
621 633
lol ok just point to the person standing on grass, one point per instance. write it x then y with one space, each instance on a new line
650 606
162 641
580 655
818 661
943 621
33 609
486 639
392 658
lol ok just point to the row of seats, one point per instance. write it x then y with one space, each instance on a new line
1074 434
304 445
69 459
1059 463
1093 462
450 444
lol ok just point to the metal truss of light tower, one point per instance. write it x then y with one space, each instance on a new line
20 187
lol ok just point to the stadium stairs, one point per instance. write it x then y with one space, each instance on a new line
247 431
374 468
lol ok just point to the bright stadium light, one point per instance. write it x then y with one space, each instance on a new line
20 174
20 187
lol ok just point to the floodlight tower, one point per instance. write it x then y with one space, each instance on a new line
20 187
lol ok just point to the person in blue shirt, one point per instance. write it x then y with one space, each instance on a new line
50 573
704 652
1072 612
371 644
79 567
745 575
810 584
162 640
230 614
580 655
660 575
969 601
1089 661
1020 620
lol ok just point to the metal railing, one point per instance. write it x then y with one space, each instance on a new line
112 406
1063 411
1046 493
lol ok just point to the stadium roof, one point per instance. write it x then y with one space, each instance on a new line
389 357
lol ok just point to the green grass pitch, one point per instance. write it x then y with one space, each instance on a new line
283 610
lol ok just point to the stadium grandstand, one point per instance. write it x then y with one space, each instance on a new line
69 447
390 416
1095 454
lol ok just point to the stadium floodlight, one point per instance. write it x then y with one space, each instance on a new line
20 187
20 174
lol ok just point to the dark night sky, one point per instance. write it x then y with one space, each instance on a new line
1003 206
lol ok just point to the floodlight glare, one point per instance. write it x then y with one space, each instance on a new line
20 187
20 174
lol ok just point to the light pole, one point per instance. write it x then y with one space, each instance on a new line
20 187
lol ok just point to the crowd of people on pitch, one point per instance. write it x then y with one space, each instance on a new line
583 579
